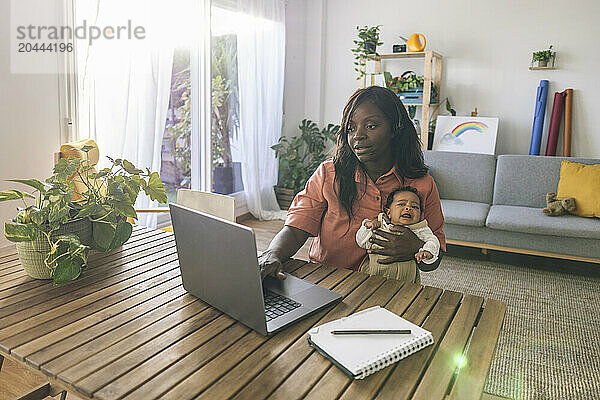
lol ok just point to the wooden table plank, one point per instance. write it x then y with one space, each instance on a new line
249 360
178 361
403 377
144 305
39 324
99 318
272 376
93 354
471 378
163 317
53 297
335 382
94 273
258 355
438 375
30 283
127 329
312 371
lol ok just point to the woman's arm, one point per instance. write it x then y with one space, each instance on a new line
284 245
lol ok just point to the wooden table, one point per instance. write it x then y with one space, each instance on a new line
127 329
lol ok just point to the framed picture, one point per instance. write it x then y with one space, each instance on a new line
466 134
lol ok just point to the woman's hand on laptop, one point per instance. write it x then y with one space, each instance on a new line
270 264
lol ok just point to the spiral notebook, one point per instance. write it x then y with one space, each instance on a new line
361 355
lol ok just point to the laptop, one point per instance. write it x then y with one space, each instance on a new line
219 265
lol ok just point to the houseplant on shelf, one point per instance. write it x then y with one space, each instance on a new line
55 233
366 45
409 87
299 156
543 58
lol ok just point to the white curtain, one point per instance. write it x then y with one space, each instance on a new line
124 88
261 59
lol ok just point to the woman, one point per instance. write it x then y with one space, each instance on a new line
377 151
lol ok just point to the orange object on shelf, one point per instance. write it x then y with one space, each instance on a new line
414 43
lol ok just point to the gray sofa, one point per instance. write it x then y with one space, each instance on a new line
496 203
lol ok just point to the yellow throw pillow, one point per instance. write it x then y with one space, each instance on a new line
582 182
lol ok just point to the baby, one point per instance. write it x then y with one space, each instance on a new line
403 207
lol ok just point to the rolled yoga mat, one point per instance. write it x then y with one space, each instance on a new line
538 118
568 116
555 120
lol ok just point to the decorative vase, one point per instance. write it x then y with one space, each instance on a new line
32 254
284 197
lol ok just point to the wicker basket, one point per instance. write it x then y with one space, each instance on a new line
32 254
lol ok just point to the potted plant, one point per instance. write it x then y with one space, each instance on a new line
366 45
53 233
409 86
544 58
299 156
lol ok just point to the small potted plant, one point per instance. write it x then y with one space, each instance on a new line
366 45
409 86
299 156
53 233
543 58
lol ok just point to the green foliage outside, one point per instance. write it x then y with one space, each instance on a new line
107 203
224 108
299 156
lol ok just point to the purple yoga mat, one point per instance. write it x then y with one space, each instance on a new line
555 120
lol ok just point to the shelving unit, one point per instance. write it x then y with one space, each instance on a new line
431 58
536 68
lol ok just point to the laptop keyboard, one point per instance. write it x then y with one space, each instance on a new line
277 305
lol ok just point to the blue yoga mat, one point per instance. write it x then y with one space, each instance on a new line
538 118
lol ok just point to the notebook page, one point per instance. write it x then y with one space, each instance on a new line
355 352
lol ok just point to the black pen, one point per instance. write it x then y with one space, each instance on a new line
371 331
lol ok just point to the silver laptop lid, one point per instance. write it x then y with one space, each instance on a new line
224 274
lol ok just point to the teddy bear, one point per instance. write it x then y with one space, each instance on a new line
556 207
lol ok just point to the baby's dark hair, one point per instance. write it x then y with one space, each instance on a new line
411 189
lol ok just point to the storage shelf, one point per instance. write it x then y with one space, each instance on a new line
537 68
407 54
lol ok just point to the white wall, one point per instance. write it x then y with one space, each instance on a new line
487 49
29 122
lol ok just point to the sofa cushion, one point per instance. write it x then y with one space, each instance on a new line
462 176
581 182
531 220
524 180
465 212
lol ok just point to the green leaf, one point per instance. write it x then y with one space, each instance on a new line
130 168
66 270
14 195
156 188
87 148
89 210
125 209
70 239
103 234
20 232
116 191
34 183
122 234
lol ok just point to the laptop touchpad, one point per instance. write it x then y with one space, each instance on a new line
286 287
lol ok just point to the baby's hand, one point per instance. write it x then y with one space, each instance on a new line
375 224
423 255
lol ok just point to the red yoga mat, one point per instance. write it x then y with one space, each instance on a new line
555 120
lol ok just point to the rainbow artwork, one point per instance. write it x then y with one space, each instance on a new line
469 126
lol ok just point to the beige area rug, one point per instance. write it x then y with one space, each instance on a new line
549 346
